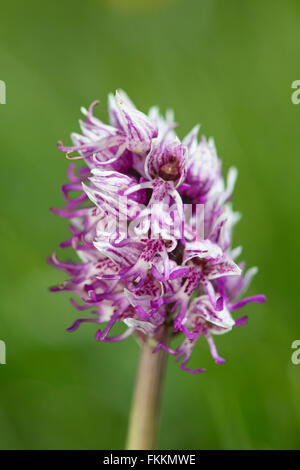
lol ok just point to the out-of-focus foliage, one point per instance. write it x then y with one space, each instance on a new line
137 5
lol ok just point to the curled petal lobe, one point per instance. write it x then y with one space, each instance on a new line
139 256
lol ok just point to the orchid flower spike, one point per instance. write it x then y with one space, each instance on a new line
151 223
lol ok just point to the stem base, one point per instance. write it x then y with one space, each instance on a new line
143 422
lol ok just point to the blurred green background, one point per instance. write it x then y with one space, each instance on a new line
228 65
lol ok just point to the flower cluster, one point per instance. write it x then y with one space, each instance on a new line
145 261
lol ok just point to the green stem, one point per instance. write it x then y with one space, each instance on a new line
144 417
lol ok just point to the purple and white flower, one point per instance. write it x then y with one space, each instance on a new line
142 261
